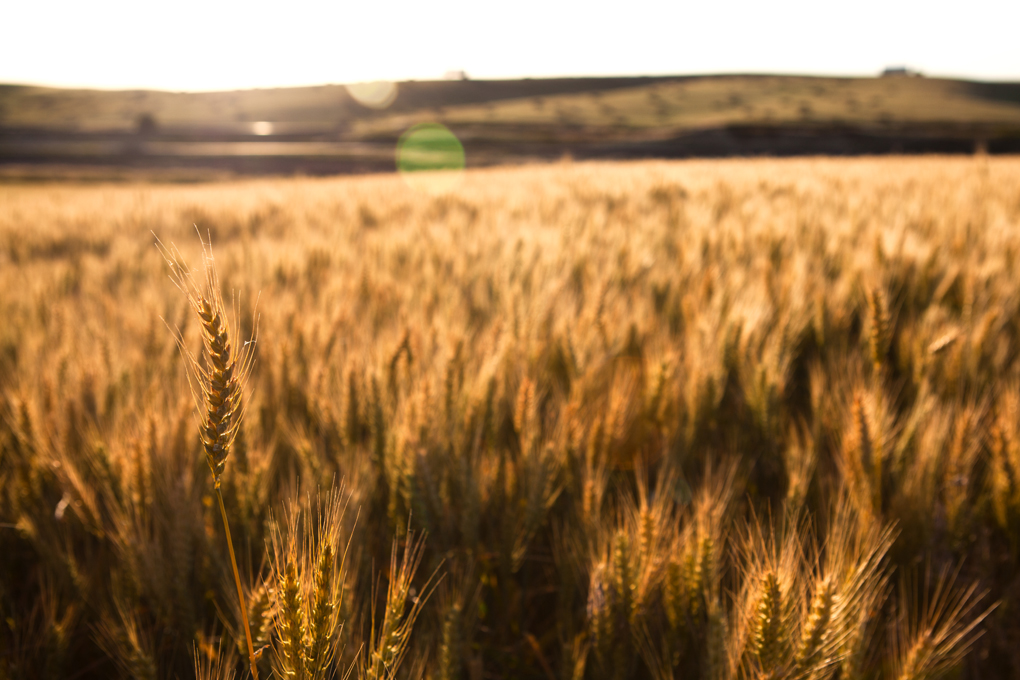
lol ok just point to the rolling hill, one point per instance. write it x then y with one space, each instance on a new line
320 130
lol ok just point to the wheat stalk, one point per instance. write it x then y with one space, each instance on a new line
219 387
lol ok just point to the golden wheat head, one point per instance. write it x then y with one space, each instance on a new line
218 385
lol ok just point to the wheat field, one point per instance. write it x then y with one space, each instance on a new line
699 419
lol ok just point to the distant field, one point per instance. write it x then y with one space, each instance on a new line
705 419
322 130
693 102
710 102
321 108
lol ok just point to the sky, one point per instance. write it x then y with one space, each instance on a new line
209 45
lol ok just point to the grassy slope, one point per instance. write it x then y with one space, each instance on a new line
640 104
711 102
325 106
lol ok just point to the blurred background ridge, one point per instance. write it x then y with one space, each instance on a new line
355 128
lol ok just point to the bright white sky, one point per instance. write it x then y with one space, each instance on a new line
210 45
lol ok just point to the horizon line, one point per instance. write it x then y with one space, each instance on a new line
469 78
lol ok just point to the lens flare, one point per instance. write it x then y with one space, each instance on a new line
429 146
374 95
430 157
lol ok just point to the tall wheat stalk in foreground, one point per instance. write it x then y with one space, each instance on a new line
217 386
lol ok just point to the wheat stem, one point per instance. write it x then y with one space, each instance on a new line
240 592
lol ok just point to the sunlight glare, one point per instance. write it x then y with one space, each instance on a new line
374 95
430 158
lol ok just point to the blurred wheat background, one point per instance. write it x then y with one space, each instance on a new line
706 419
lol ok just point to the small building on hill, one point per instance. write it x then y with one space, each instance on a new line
900 72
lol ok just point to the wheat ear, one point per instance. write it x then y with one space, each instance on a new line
878 338
219 387
389 646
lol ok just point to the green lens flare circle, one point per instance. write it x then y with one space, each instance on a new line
429 146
